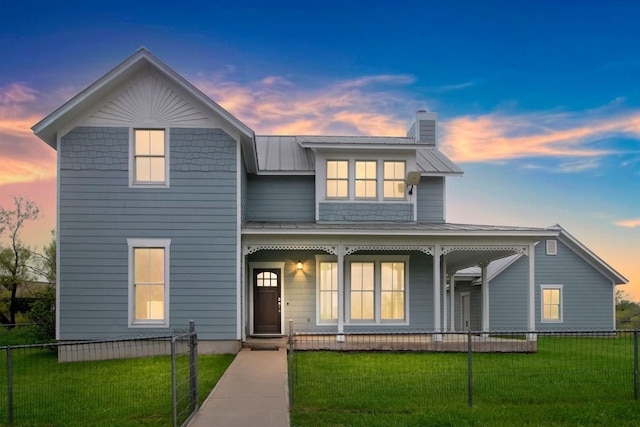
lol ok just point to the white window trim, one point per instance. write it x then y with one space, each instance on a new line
560 308
319 259
551 247
149 243
393 199
132 161
351 157
377 288
377 181
350 172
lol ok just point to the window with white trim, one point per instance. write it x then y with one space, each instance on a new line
328 291
394 180
149 282
149 160
377 289
337 179
365 180
551 303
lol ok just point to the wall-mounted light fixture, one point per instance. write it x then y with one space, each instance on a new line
413 178
299 265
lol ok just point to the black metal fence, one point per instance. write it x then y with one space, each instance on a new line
407 369
149 380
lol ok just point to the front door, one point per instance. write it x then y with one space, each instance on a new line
465 311
266 301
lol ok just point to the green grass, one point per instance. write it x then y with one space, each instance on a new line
569 381
125 392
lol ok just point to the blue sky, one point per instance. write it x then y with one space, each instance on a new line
538 101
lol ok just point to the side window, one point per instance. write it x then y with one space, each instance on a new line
148 158
551 303
148 282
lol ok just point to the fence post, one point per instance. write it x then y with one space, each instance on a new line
290 370
9 386
193 365
469 368
635 364
174 385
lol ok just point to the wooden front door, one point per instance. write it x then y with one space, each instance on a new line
266 301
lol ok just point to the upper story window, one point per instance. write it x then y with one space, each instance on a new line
394 173
365 181
337 179
149 160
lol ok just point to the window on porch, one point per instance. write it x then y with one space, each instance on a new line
328 291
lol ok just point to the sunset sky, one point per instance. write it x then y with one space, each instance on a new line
538 101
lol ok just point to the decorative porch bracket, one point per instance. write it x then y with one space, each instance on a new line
250 249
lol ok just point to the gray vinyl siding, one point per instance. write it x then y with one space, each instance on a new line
430 199
508 297
587 294
300 292
99 212
280 198
363 212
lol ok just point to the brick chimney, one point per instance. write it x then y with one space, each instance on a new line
423 128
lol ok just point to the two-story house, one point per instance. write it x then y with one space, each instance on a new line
171 209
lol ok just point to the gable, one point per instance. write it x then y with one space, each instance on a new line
151 101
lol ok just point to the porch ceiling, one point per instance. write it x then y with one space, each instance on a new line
460 259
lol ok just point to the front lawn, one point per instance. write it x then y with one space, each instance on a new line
569 381
124 392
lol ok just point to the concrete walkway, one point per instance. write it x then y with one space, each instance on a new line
252 392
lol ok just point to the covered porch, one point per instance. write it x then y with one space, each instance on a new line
431 261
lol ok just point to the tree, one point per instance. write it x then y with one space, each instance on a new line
14 260
43 310
627 311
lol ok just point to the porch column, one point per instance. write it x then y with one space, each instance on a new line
452 303
445 311
531 295
340 288
437 320
485 297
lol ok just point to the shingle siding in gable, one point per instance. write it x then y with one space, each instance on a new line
98 212
362 212
430 200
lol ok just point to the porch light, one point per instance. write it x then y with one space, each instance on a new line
299 265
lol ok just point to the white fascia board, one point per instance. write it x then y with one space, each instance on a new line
286 173
347 146
400 233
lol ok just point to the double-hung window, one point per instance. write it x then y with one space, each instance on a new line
337 179
328 291
365 181
149 282
394 173
149 160
551 303
378 289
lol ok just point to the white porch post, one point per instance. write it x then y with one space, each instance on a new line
531 309
485 298
437 320
340 289
452 303
445 316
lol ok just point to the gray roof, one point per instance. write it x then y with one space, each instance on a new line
432 162
294 154
419 228
283 154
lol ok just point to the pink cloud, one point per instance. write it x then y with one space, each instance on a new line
629 223
501 136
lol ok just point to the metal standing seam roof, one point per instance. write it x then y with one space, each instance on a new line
294 154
